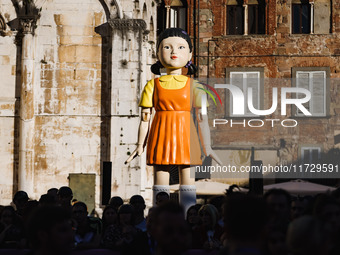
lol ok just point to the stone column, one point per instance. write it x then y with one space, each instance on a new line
128 79
311 17
245 6
26 135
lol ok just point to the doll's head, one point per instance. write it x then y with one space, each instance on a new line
179 38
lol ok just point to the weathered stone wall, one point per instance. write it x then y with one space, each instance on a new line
9 90
88 76
278 51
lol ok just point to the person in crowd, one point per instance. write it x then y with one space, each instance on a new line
47 200
245 219
144 242
192 217
276 239
53 192
138 204
65 196
110 223
11 229
125 215
170 230
31 205
88 229
278 203
307 235
217 201
116 202
298 207
20 200
209 233
110 217
49 231
162 197
327 211
117 238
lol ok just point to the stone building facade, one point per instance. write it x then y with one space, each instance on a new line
71 75
274 40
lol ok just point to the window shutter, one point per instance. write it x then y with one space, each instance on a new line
306 156
310 154
173 17
236 79
318 94
252 81
322 13
302 81
315 155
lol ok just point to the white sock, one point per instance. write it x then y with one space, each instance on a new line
157 189
187 196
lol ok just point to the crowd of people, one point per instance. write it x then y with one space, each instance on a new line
236 224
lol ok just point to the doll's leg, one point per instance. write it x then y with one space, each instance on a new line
161 181
187 188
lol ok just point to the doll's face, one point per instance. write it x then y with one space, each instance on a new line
174 52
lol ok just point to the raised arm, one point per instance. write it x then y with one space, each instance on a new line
142 133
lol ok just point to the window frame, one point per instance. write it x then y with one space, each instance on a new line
326 70
317 10
257 26
310 148
301 4
177 10
161 15
245 16
303 161
228 98
242 18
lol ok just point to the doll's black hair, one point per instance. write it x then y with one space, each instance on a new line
174 32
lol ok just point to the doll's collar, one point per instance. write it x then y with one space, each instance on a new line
169 77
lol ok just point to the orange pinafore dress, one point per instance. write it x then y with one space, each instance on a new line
173 139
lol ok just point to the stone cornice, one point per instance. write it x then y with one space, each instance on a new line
128 24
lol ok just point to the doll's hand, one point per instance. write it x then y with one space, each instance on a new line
137 152
210 153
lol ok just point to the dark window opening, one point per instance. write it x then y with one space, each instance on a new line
235 16
177 16
301 18
256 19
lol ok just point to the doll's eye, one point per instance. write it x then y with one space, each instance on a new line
181 47
166 47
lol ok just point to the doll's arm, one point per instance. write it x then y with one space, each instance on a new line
204 132
142 134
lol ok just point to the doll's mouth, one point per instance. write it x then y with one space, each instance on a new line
173 57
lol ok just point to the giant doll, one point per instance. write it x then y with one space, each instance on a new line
172 138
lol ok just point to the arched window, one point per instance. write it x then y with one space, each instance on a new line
152 30
256 17
246 17
235 17
2 26
177 16
311 17
301 17
145 14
